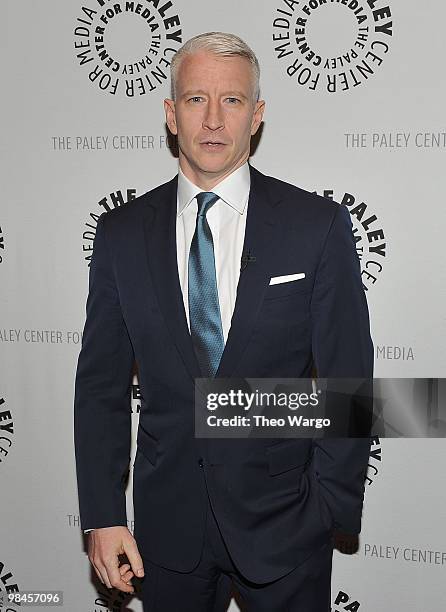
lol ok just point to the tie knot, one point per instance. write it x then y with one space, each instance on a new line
205 200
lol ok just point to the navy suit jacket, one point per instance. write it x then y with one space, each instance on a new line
276 501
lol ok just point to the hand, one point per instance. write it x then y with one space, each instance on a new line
104 546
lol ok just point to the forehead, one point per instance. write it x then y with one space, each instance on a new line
205 69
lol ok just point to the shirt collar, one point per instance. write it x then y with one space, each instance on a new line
234 189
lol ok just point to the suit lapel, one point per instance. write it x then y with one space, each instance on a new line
160 238
254 278
159 221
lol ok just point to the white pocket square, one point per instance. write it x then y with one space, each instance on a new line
276 280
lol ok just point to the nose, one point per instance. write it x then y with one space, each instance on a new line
213 119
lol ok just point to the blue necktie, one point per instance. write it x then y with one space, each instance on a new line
204 309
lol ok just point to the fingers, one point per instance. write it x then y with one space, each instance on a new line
116 578
102 575
106 575
132 552
126 574
124 568
110 575
99 568
105 546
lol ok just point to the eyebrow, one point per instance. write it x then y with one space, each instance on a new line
230 93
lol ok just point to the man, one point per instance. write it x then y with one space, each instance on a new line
180 280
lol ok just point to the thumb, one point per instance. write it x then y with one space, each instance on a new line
135 559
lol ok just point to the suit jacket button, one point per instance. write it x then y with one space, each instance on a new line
200 462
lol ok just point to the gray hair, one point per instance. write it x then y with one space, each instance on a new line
219 43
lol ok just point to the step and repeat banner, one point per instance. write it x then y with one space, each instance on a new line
355 96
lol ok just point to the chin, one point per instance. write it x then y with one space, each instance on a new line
212 159
213 166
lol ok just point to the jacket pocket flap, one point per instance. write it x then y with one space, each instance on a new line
286 456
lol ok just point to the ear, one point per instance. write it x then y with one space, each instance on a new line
169 109
257 117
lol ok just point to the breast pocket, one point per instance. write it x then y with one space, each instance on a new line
299 286
284 305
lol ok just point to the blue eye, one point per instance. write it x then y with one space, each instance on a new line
233 100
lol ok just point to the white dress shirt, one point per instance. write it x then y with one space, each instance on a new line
227 222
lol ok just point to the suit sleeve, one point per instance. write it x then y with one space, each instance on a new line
102 416
342 348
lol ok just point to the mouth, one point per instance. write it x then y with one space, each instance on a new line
212 145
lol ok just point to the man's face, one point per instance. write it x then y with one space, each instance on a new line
214 115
